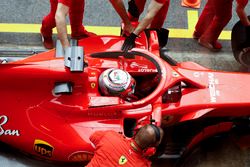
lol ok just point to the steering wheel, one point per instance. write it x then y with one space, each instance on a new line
164 78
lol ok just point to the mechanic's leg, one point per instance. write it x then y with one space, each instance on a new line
223 14
160 17
205 19
135 8
76 18
48 24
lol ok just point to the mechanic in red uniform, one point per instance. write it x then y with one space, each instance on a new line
156 14
136 7
113 149
57 18
214 17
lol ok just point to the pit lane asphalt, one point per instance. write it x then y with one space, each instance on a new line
100 13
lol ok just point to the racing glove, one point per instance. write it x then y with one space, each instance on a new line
129 42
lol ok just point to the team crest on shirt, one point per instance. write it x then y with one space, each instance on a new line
122 160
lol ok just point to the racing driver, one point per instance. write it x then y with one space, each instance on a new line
57 18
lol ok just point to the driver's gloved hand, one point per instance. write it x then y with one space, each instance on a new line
129 42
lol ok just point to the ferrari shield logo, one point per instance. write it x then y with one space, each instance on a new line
92 85
122 160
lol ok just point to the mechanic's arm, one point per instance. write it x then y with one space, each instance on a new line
120 9
240 10
61 25
153 9
96 137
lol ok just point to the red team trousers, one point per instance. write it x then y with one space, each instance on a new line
160 17
214 17
76 11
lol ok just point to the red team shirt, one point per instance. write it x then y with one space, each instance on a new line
160 1
113 149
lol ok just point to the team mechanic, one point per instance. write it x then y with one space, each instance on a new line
113 149
57 18
59 9
136 7
214 17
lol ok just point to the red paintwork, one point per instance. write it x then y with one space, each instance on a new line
31 111
209 132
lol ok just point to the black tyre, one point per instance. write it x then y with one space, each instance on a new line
240 42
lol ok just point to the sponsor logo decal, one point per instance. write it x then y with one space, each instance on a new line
81 156
136 65
123 160
142 67
104 114
212 82
43 148
198 74
147 70
3 131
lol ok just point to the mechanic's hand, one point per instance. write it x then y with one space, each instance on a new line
127 29
129 42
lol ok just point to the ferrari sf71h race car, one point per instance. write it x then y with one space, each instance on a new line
53 101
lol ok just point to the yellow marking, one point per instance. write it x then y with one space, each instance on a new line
35 28
180 33
101 30
226 35
19 28
192 18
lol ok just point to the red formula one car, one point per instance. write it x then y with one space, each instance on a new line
52 102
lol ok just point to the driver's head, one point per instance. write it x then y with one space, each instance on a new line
149 136
117 82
